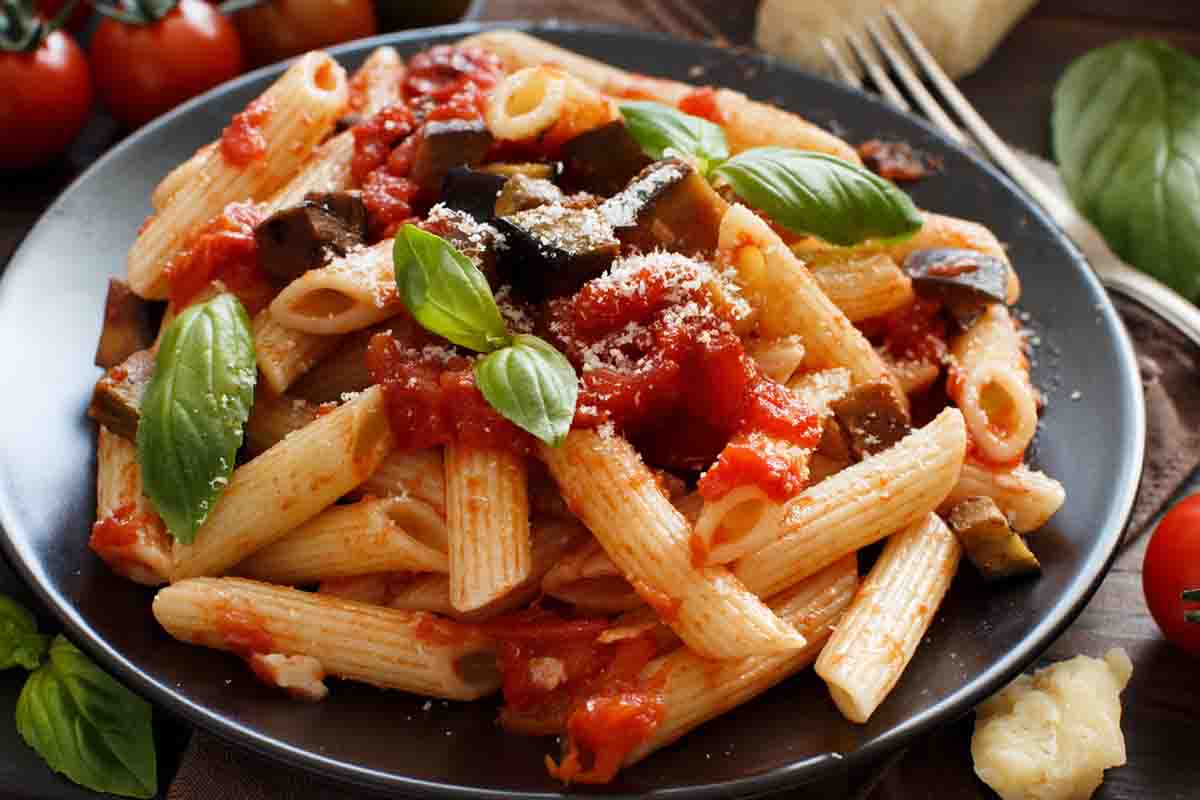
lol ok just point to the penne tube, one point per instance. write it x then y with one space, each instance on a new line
181 176
284 354
914 375
372 535
419 474
391 649
1027 497
589 580
695 690
879 633
747 123
288 485
859 505
777 358
604 480
487 522
862 286
348 294
989 381
735 522
299 110
128 534
790 302
544 101
821 388
344 370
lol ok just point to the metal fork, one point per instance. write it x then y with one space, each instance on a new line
1113 273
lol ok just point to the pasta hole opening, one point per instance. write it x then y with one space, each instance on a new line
606 594
751 264
740 520
325 76
419 520
528 94
996 402
323 304
479 668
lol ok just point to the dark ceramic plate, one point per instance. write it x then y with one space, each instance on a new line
50 309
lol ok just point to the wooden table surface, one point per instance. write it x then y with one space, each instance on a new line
1012 90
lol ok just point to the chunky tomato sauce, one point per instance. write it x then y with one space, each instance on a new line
243 142
116 531
916 333
558 677
242 631
702 102
223 250
441 83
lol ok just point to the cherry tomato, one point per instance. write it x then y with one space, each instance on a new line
45 100
77 18
1172 565
144 70
283 28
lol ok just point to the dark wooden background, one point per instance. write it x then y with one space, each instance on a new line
1012 90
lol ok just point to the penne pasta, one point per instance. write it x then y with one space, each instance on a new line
128 534
287 485
419 474
695 690
412 651
544 101
859 505
589 580
616 497
299 109
777 358
348 294
790 302
487 522
372 535
862 286
1027 497
284 354
989 381
877 636
273 418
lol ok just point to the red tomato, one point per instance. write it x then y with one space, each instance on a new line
283 28
46 99
142 71
1172 565
77 18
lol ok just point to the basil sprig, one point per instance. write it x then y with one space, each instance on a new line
20 643
524 378
79 720
805 192
817 194
194 411
87 726
659 128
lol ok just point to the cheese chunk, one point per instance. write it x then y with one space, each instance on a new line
1050 736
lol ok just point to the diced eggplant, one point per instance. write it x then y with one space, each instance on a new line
990 543
603 160
530 169
476 240
294 240
967 281
117 399
871 417
472 191
553 250
445 144
668 204
521 193
127 326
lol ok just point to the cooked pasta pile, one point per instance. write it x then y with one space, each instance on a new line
753 402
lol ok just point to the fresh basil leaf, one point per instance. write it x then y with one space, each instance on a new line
445 292
533 385
659 128
194 411
87 726
817 194
20 643
1126 131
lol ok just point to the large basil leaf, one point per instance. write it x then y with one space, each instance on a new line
87 726
533 385
194 411
1126 130
658 128
817 194
20 643
445 292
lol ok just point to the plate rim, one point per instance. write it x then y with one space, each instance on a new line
792 775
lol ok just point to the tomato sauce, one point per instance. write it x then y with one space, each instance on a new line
242 631
243 142
433 400
916 333
702 102
223 250
117 530
441 83
558 678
